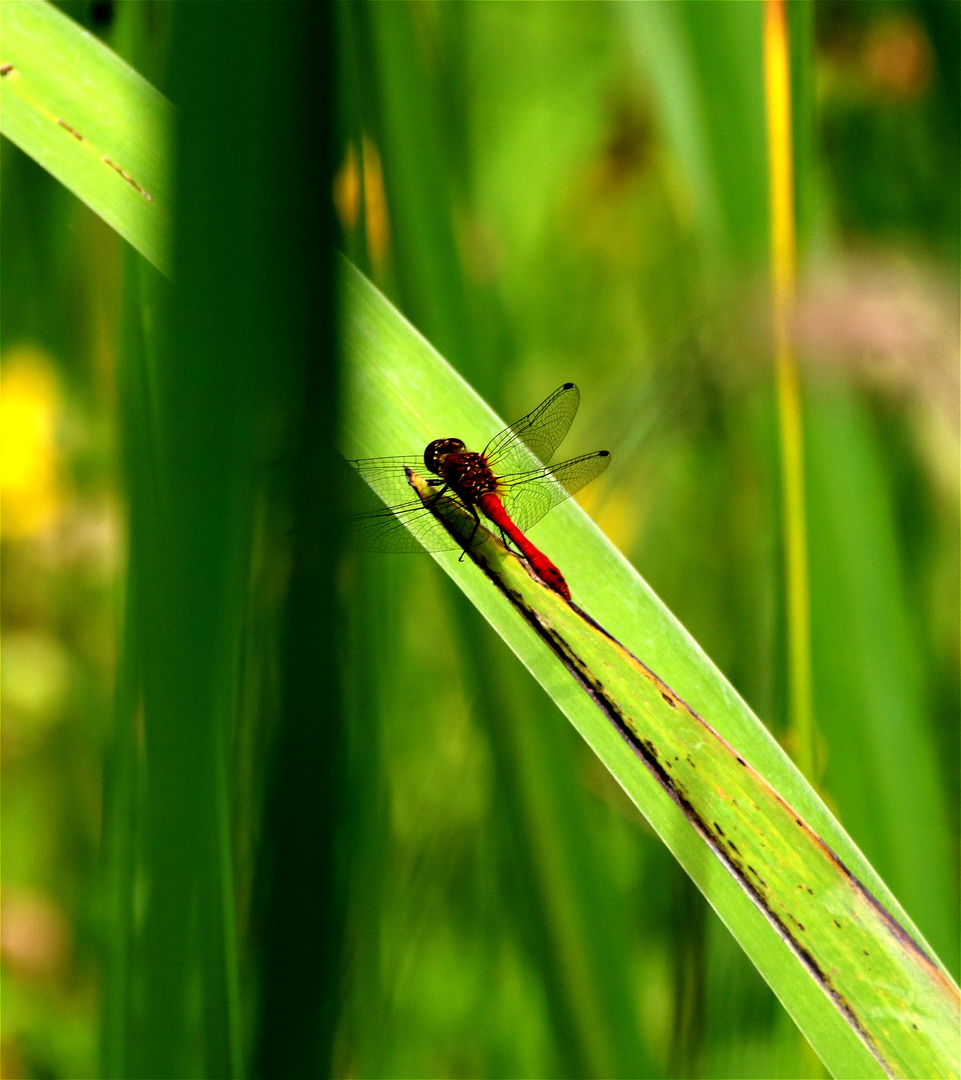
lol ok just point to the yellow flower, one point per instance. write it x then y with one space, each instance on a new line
30 408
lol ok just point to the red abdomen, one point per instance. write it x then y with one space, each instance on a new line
493 509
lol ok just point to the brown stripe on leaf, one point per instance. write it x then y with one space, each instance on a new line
130 180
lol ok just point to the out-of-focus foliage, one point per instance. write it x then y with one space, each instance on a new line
62 570
549 192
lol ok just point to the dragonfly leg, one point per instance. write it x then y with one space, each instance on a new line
476 517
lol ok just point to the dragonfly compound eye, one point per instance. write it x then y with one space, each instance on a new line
438 450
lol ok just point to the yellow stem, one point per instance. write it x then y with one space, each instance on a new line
777 94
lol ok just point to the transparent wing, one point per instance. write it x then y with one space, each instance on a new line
387 478
527 497
532 440
404 524
406 530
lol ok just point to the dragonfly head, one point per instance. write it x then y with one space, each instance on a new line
438 451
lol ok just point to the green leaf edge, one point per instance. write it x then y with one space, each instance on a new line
90 120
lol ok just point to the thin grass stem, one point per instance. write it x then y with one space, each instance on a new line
777 94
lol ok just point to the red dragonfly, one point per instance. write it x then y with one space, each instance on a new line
510 483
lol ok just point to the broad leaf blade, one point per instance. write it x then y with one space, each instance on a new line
90 120
400 395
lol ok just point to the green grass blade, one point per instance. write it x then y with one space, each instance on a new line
711 97
420 179
866 963
869 668
400 394
90 120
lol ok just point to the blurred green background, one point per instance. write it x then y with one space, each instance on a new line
550 192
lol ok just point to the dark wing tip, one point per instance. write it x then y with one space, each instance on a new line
603 453
568 386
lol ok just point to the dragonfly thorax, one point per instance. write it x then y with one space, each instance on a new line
465 471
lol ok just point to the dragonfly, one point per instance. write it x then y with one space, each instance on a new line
509 482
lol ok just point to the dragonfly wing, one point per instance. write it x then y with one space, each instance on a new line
529 496
388 479
532 440
410 529
404 524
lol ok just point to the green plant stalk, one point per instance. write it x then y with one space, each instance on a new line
90 120
401 394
